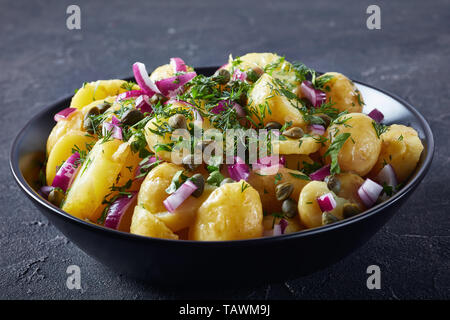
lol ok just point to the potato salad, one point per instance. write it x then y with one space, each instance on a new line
263 147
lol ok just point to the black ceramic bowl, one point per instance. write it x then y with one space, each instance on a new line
181 262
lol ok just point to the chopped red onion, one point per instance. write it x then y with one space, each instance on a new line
143 104
179 196
117 210
376 115
113 127
326 202
178 65
172 86
137 172
316 97
387 175
283 225
317 129
239 75
64 114
129 94
277 230
320 174
239 170
369 192
222 105
45 191
143 80
269 161
66 173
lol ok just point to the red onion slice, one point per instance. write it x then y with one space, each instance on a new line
113 127
320 174
117 210
143 104
143 80
129 94
239 75
172 86
369 192
317 129
137 172
178 197
269 161
376 115
222 105
283 225
239 170
316 97
178 65
66 173
45 191
326 202
277 230
387 175
64 114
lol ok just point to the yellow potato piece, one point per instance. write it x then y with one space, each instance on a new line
361 150
62 127
146 224
231 212
342 92
97 90
153 193
350 184
309 210
401 148
304 145
270 105
63 150
95 178
165 71
266 184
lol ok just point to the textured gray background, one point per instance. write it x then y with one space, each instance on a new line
41 61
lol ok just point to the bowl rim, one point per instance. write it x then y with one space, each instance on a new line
412 183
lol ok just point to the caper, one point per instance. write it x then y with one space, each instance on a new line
289 208
178 121
189 162
293 133
131 117
199 182
157 98
333 183
350 210
56 196
273 125
226 180
328 218
326 119
88 124
222 76
254 74
284 191
102 107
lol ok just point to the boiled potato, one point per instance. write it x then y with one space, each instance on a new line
145 223
401 148
350 184
62 127
153 193
270 105
97 90
309 210
342 92
232 212
165 71
304 145
266 184
297 161
63 150
95 178
361 150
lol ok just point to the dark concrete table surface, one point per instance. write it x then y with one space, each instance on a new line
42 61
